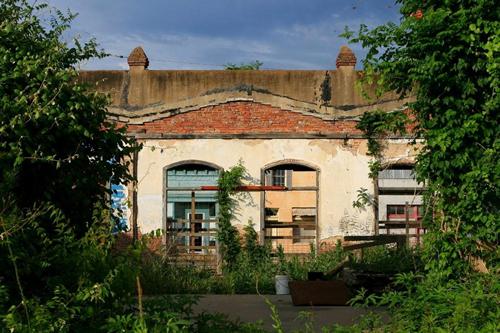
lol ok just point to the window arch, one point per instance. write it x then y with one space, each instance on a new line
191 214
291 216
193 162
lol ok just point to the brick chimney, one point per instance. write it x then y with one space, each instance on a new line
138 60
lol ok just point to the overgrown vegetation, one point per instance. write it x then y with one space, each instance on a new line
445 54
255 268
451 68
57 152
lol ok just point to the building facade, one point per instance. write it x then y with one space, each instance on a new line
291 129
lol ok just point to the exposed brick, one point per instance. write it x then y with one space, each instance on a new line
244 118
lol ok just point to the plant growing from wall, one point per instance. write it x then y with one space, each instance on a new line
446 54
228 236
377 126
253 66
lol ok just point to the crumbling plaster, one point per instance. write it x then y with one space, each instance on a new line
340 175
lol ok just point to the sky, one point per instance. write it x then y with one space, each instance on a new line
207 34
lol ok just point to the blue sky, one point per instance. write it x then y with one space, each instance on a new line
205 34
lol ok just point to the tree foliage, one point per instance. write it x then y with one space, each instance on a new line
446 54
55 143
57 156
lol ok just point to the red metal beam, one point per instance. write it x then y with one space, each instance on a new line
248 188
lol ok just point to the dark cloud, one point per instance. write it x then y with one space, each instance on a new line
201 34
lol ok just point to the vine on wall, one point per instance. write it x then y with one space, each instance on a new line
227 234
377 126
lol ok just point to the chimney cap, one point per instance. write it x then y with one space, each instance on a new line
346 57
138 58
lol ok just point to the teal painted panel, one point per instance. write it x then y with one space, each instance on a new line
180 209
191 178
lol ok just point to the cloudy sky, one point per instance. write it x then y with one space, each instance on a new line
206 34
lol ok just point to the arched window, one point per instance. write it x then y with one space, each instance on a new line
290 217
191 213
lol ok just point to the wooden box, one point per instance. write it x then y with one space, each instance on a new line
334 292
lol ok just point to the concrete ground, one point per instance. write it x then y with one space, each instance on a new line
252 308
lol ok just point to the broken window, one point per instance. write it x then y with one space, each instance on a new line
271 214
398 189
198 234
397 212
291 216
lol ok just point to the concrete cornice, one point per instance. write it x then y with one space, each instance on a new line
140 115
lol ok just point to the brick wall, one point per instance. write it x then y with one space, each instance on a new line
244 118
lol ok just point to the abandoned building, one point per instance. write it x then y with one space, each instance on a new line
293 130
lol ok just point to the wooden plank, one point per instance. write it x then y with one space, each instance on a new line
407 222
288 224
361 245
404 235
196 247
186 221
399 225
367 244
183 230
290 237
304 211
195 234
373 237
403 223
193 216
303 188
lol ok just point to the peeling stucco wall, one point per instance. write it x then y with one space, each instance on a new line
259 117
342 170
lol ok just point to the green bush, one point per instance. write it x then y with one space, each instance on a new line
384 259
159 275
425 305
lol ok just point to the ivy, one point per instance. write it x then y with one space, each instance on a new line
227 234
377 126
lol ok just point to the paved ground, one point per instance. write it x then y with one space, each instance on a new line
252 308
